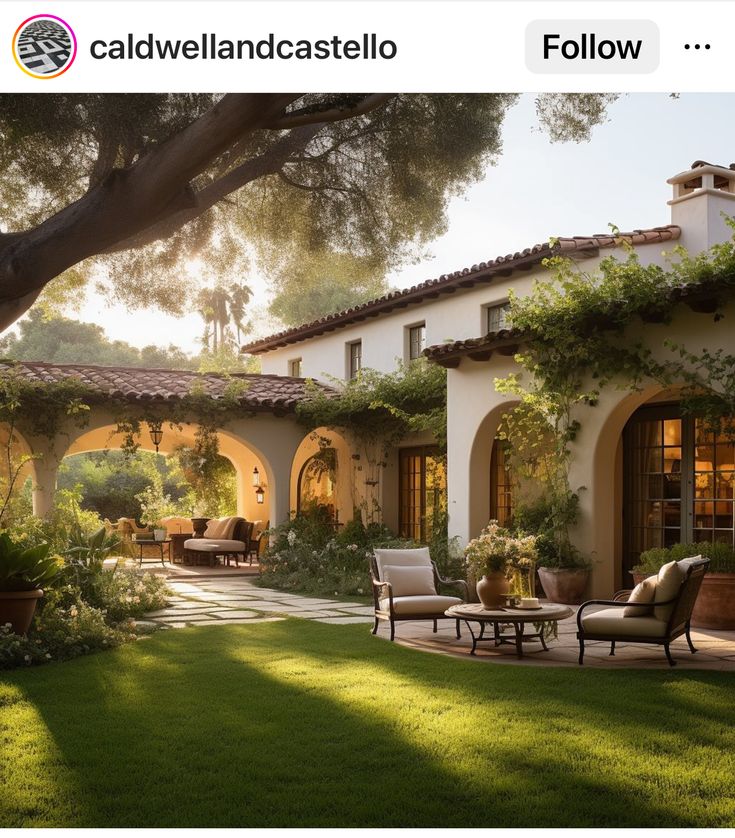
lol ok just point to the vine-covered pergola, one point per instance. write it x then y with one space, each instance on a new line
48 411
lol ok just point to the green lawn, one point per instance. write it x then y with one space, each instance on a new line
301 724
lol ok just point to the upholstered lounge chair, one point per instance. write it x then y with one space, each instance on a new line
226 538
656 612
406 587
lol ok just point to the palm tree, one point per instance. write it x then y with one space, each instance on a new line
240 296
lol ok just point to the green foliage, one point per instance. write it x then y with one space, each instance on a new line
154 505
721 556
327 283
61 633
211 477
61 340
306 555
62 528
109 481
382 406
25 568
576 342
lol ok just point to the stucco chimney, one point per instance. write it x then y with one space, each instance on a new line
702 195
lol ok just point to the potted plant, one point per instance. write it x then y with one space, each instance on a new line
154 506
492 557
715 605
563 572
23 570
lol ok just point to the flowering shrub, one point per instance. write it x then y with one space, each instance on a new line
307 555
60 633
496 550
83 614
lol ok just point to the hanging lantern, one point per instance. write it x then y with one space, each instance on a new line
256 477
156 433
260 495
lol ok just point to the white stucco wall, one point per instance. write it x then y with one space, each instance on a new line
450 317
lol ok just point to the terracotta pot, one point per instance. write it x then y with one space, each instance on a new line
715 605
564 584
492 589
18 608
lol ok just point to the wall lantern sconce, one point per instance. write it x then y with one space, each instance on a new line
156 433
260 495
256 477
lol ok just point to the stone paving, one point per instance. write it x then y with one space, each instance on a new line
236 600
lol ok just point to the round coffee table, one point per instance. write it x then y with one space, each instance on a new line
519 618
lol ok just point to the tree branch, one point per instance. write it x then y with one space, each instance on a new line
128 200
305 116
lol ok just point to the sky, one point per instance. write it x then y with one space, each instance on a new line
536 190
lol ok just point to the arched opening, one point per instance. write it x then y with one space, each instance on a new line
227 487
321 476
317 482
491 493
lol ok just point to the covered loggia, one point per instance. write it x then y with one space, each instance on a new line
69 409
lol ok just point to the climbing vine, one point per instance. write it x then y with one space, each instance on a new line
377 410
45 409
576 337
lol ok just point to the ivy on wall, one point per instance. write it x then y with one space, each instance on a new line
576 337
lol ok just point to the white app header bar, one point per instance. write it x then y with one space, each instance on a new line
319 45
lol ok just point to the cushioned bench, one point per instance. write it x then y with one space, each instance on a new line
226 538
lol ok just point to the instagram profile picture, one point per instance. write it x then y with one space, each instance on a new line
44 46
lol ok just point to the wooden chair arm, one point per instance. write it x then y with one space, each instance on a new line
379 586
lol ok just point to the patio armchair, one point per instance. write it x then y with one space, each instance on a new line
656 611
226 538
406 587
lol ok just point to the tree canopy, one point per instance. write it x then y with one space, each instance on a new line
61 340
138 185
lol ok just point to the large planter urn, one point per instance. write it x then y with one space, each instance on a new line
492 589
18 608
566 585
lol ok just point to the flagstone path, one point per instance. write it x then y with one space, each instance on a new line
237 600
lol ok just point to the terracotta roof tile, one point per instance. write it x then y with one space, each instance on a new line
264 392
703 297
460 280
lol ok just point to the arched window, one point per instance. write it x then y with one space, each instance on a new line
317 482
501 484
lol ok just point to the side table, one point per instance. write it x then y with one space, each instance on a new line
177 546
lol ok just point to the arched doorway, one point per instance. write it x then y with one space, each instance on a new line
317 481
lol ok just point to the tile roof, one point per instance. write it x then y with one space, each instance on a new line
462 280
269 393
703 297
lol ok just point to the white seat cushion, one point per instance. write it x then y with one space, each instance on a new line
424 605
611 622
410 581
403 558
214 545
643 593
670 577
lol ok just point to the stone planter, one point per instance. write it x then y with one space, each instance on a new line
564 584
715 605
492 589
18 608
159 534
